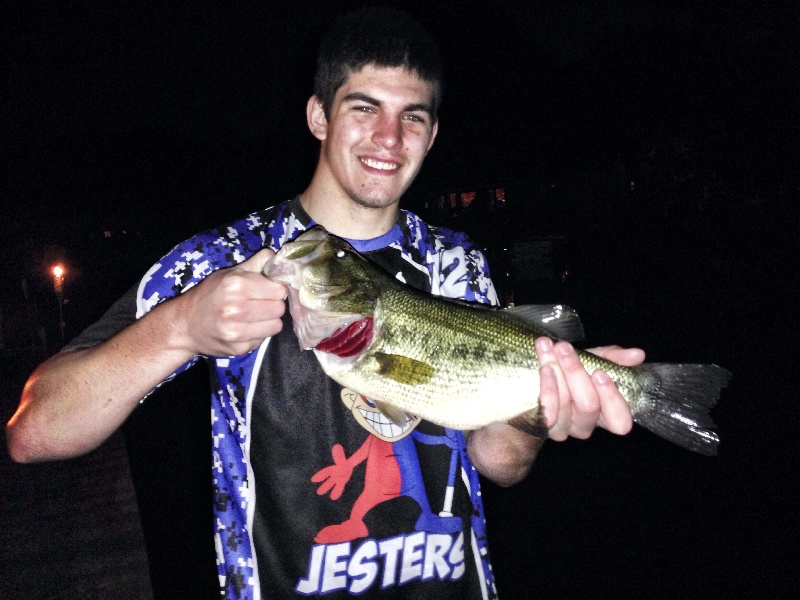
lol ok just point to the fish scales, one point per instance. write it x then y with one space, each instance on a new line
475 361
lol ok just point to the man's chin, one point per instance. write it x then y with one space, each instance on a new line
376 201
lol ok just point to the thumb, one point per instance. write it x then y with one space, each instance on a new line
256 262
338 454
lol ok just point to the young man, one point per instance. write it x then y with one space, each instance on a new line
316 493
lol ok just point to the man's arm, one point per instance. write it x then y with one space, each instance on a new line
76 399
574 403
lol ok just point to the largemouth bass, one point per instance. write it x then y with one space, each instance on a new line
459 365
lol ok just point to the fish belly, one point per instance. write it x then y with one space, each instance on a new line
450 398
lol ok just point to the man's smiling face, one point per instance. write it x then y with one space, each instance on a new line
379 128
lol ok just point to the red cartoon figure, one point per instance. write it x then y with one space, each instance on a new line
392 470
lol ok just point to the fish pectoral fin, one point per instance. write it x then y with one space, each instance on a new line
395 415
531 422
402 369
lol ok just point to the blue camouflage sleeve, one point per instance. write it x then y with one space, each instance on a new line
190 262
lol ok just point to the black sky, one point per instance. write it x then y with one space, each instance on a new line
127 108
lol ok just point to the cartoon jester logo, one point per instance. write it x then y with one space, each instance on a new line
392 470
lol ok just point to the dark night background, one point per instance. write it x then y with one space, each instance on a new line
655 141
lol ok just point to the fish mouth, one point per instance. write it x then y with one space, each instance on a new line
349 340
318 293
314 326
288 264
279 271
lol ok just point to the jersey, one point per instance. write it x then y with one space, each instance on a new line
316 492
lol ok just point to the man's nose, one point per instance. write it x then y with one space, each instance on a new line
388 132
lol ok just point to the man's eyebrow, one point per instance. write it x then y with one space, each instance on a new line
361 97
420 106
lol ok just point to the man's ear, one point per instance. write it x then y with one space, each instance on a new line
434 131
316 119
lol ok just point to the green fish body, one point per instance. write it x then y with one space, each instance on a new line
458 365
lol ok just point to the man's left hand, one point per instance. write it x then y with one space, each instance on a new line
575 402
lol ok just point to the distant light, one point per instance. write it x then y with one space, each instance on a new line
58 278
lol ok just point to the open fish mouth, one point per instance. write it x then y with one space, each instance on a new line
287 265
313 327
319 293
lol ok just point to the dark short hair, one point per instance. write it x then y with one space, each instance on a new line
379 36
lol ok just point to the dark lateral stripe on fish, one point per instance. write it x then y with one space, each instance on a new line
350 341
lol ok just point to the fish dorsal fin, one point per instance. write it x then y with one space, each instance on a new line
561 322
402 369
395 415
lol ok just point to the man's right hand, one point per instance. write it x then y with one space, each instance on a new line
233 310
76 399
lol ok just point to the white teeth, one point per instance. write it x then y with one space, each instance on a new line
383 425
377 164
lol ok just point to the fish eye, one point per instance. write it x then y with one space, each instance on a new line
341 253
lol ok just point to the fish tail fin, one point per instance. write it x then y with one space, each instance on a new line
675 401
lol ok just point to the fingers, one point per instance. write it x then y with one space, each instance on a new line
258 320
233 310
615 414
585 405
338 454
251 310
553 392
575 402
629 357
338 488
548 395
328 485
242 300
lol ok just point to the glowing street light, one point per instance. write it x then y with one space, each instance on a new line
58 277
58 285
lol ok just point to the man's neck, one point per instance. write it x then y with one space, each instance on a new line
344 217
